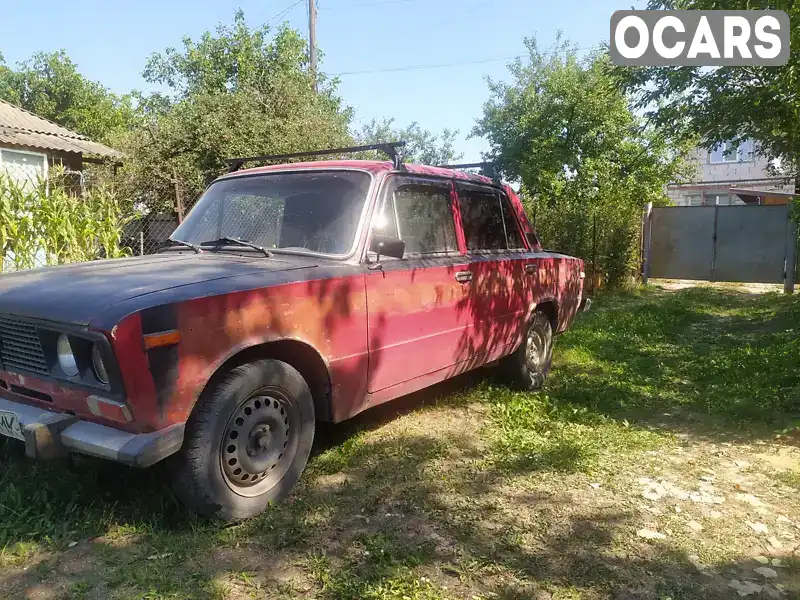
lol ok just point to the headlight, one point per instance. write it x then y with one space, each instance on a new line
66 358
98 365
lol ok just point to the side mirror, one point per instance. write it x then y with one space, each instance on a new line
389 246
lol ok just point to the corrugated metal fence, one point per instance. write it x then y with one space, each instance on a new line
748 244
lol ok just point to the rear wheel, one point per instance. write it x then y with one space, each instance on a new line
247 441
528 366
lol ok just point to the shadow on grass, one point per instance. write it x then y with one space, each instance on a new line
399 521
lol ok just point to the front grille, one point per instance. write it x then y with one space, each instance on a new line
20 348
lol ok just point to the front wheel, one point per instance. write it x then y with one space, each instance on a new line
247 441
527 367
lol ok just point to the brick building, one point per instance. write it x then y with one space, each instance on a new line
729 176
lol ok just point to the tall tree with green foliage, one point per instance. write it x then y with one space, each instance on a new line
49 85
726 103
235 92
422 146
587 164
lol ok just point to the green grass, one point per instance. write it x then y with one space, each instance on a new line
538 433
380 567
478 492
701 351
790 478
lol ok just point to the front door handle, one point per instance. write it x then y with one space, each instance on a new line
531 268
463 276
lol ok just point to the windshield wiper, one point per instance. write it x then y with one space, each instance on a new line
237 242
171 242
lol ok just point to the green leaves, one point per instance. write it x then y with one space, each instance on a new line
237 91
588 165
422 146
49 85
725 103
233 91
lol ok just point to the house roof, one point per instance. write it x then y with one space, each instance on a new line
753 196
22 128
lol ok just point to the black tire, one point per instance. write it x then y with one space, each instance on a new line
527 367
257 420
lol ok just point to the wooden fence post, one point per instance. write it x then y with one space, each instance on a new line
648 214
790 274
178 195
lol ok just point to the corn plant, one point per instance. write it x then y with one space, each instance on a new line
44 222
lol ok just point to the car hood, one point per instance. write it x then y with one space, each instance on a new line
75 293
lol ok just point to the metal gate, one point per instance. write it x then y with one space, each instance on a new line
748 244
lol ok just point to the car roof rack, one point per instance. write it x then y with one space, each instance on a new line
391 149
488 168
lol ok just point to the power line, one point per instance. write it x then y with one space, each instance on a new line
445 65
282 13
461 13
431 66
367 4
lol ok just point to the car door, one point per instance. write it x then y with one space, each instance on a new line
417 305
500 292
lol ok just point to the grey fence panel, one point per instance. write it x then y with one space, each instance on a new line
682 242
751 243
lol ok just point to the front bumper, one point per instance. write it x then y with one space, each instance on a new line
49 435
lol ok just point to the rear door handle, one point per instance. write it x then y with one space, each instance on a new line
531 268
463 276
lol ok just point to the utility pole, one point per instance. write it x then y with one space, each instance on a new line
312 39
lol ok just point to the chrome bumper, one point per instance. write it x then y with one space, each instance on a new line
49 435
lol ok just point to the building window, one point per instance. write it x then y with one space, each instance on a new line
727 152
719 199
690 200
26 168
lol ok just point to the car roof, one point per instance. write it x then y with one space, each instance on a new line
373 166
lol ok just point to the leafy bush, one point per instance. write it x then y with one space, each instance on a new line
587 164
46 223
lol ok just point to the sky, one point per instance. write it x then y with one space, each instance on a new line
371 43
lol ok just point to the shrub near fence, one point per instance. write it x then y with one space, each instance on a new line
46 223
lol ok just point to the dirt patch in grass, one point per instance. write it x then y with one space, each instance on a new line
655 464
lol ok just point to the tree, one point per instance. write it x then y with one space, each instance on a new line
726 103
49 85
586 163
422 146
236 92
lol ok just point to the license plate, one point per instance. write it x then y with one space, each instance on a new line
9 425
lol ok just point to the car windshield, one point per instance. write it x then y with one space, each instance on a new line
311 211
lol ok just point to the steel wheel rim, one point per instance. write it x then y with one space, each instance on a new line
535 350
259 443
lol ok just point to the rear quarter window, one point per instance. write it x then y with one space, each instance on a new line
513 235
482 217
